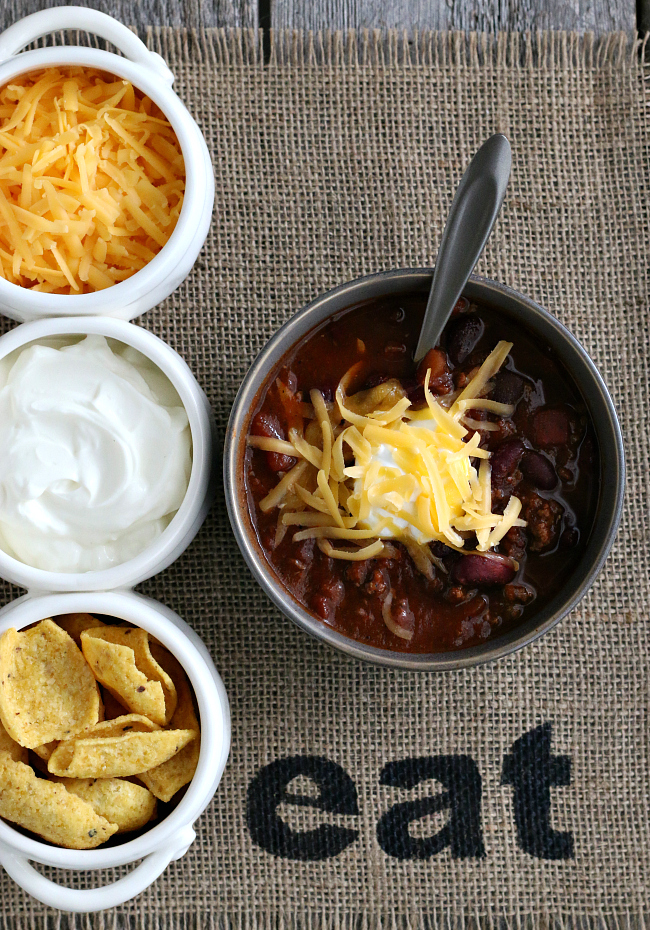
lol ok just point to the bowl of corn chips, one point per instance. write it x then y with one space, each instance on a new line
114 733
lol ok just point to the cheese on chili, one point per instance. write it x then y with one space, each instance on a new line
414 477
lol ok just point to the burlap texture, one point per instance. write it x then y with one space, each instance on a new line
340 158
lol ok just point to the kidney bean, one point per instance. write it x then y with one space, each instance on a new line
303 554
508 388
329 595
277 461
539 470
477 570
461 305
327 387
267 424
296 568
334 589
551 427
462 335
506 458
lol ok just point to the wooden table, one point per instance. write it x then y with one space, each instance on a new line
598 16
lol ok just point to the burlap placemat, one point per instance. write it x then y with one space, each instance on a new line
527 785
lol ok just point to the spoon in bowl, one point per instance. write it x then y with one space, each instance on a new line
473 212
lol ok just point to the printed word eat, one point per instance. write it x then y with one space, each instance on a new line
529 768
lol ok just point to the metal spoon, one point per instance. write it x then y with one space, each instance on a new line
473 212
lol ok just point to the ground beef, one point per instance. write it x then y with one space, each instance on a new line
513 543
457 593
517 594
378 583
298 565
544 518
357 572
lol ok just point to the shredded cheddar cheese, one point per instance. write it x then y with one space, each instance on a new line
417 476
91 180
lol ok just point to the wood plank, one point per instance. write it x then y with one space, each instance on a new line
643 16
597 16
141 13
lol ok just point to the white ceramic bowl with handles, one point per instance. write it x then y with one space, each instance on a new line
193 510
167 840
148 72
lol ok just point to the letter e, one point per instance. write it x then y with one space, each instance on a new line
268 790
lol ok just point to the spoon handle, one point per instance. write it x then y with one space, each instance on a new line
473 211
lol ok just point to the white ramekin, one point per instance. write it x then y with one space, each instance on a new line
148 72
192 512
172 837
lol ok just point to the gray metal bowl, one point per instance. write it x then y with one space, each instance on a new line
587 379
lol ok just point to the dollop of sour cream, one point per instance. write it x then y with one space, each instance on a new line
96 453
386 524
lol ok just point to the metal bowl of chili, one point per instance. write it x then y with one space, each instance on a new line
526 535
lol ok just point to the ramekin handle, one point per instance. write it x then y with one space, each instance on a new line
16 37
89 900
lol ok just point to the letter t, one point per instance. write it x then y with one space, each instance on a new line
532 770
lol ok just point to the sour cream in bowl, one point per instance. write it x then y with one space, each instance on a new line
107 448
97 453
